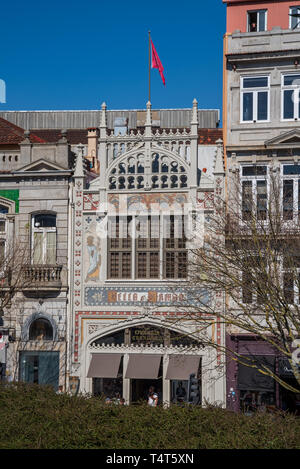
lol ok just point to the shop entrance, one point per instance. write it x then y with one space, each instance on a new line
140 389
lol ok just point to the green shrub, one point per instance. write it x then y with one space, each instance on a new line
35 417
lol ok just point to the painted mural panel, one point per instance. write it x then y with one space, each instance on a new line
93 258
129 296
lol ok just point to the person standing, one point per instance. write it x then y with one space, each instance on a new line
152 397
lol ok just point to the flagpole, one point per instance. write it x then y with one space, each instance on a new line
149 32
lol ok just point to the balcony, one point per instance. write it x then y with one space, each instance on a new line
42 277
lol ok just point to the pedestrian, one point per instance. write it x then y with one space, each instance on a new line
152 397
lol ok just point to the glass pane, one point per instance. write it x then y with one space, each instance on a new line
288 104
117 338
262 106
291 169
49 368
262 21
255 82
29 365
126 265
288 200
38 248
114 264
179 391
294 19
291 79
2 225
247 106
254 170
170 265
3 209
45 221
247 200
261 200
154 265
51 249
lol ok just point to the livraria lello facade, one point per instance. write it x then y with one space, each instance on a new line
103 207
108 228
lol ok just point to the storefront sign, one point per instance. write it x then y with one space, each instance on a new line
128 296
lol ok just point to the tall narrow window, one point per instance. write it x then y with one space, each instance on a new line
288 199
254 192
254 99
257 21
119 247
262 200
291 191
175 253
290 97
44 239
148 248
247 200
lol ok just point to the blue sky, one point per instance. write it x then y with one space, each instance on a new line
75 55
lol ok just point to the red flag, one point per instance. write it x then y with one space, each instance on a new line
156 63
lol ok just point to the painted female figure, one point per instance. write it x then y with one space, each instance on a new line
95 260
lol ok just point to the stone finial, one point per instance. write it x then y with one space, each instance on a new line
148 114
103 115
79 171
195 112
219 163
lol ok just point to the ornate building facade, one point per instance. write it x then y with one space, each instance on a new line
118 225
130 256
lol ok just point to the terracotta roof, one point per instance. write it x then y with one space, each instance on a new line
209 136
11 134
74 136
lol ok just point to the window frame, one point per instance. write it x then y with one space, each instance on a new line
159 248
284 88
253 179
291 18
118 249
258 11
295 178
44 231
254 91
